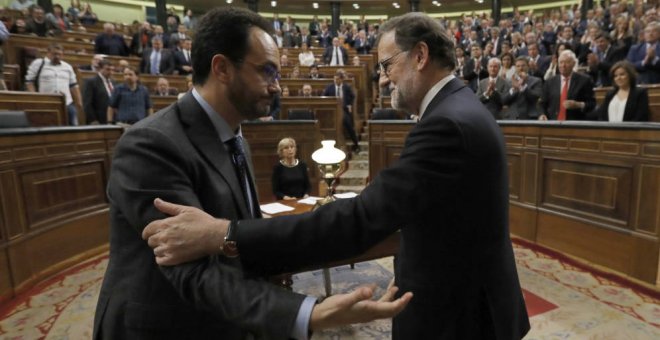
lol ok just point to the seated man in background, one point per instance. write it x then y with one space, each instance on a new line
492 89
307 90
39 26
163 88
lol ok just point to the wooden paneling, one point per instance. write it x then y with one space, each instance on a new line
53 209
264 137
161 102
386 142
42 109
13 78
591 190
16 42
327 110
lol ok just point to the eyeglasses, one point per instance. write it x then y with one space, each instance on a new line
268 72
385 64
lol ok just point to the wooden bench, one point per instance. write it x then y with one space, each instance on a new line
327 110
12 76
87 36
263 138
16 42
161 102
654 99
42 109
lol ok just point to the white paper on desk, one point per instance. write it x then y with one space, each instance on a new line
311 200
346 195
275 208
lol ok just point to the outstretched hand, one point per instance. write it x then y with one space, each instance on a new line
357 307
188 234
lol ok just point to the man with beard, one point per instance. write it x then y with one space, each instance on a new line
447 193
192 152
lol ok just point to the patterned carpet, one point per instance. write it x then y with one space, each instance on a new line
565 301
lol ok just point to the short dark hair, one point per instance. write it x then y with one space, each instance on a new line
413 28
629 68
54 46
103 62
604 35
223 30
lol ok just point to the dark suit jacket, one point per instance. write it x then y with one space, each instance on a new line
136 43
362 46
523 105
602 69
167 64
637 106
327 54
542 64
493 102
580 88
471 75
95 100
348 96
448 194
139 299
649 73
179 61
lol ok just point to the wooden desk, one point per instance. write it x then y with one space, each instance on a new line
327 110
42 109
388 247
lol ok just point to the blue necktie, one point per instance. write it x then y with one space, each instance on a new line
155 63
240 165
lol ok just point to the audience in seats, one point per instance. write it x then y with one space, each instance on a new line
460 62
290 179
158 32
189 20
58 18
295 72
627 102
157 60
285 91
305 38
284 60
87 16
508 68
568 95
183 58
345 92
74 9
335 55
524 93
476 68
130 101
538 64
553 68
646 55
324 37
600 63
163 88
362 45
306 90
39 26
355 61
314 72
96 94
109 42
141 39
306 57
53 75
492 89
21 5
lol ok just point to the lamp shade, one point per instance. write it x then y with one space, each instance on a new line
328 154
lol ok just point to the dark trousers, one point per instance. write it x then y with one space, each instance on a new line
348 127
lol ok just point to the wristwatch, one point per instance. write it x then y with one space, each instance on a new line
229 247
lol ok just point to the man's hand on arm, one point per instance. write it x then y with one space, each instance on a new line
188 234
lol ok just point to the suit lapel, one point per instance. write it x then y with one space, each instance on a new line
630 102
203 136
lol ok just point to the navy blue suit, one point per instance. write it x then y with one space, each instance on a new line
348 99
649 73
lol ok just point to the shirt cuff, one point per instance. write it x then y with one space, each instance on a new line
301 328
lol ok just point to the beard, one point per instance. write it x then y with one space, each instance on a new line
245 102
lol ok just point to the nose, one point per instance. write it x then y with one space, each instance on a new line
275 87
383 80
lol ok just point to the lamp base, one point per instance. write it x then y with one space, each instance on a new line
325 200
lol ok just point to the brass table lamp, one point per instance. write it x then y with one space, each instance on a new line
330 163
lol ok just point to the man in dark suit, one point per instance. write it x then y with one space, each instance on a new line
538 64
447 193
345 92
362 45
141 39
646 55
163 88
183 58
96 94
109 42
324 37
524 93
493 88
335 55
601 62
568 95
476 68
157 60
305 37
191 153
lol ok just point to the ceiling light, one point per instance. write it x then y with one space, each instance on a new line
273 4
395 4
315 5
230 1
356 6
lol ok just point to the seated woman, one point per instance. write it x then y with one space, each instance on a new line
290 180
626 102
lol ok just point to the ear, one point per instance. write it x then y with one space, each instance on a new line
422 56
222 68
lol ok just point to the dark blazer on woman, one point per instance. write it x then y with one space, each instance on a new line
139 299
448 194
637 106
290 181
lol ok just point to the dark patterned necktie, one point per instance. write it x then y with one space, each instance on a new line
240 164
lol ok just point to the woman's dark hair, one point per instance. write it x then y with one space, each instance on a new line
223 31
630 70
413 28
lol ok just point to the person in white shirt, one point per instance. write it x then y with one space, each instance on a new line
306 57
53 75
335 55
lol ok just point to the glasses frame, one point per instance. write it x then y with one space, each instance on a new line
385 64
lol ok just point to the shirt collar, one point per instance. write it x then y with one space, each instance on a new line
433 92
220 125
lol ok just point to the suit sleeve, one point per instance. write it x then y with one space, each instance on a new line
642 112
207 284
589 98
88 102
275 182
348 227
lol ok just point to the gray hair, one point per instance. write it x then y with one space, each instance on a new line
415 27
495 60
